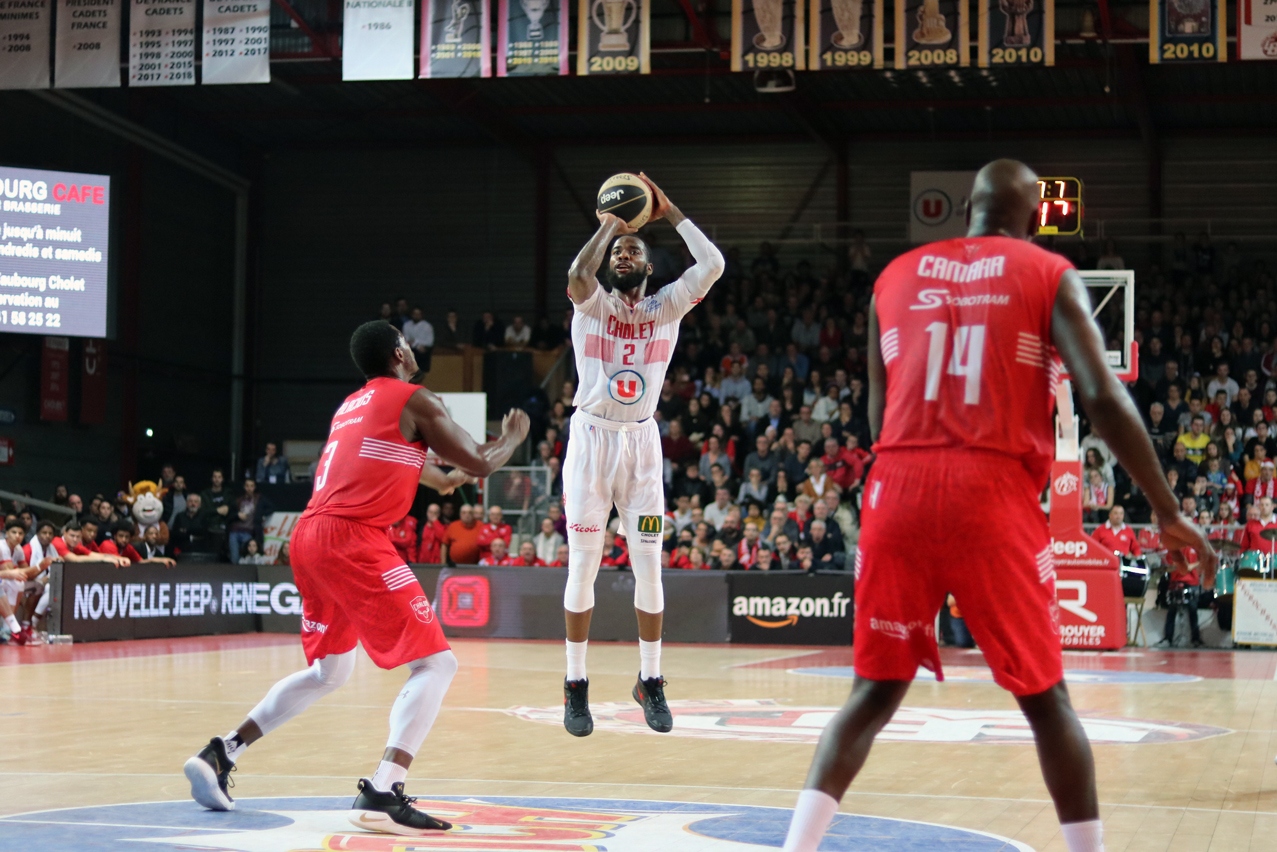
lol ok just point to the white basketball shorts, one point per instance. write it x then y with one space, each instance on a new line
612 463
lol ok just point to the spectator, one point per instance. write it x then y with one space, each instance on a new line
1161 431
713 455
527 557
517 334
676 447
450 335
272 468
433 533
71 548
818 480
1115 535
487 333
555 513
419 334
252 554
151 548
823 551
763 459
756 404
403 535
60 495
735 386
1182 593
806 428
805 332
681 517
1180 463
547 542
1262 436
716 512
118 545
217 506
765 559
560 557
461 542
1097 497
826 407
250 509
775 421
175 500
820 511
1264 485
498 554
75 504
695 486
1221 382
616 553
726 560
189 531
844 466
747 547
495 528
754 490
779 524
89 534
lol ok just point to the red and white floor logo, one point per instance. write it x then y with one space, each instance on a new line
765 720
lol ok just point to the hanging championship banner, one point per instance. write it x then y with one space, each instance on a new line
1187 31
162 43
376 40
614 37
932 33
1256 29
24 44
769 34
1016 32
455 40
236 42
532 38
86 53
845 34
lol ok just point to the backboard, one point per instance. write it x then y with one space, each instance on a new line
1113 306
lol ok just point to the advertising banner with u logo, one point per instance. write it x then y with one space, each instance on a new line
937 205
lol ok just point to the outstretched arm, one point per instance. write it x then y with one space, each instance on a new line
581 277
1114 417
432 424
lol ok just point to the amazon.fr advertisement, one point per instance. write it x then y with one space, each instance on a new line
791 608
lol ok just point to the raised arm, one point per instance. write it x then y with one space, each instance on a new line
429 421
1114 416
709 260
581 276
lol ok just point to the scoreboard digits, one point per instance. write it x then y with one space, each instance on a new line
1059 206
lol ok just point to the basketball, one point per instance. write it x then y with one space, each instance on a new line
626 196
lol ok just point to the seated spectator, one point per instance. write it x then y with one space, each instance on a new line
497 554
730 532
403 536
754 491
461 541
1252 538
151 548
1115 535
826 407
676 447
560 557
747 547
820 511
704 536
487 333
527 557
763 458
547 542
119 545
1097 498
823 547
805 559
71 548
726 560
696 560
272 468
419 334
189 532
843 465
1265 485
1195 439
773 422
518 334
765 559
1161 431
1180 463
616 552
806 427
252 554
735 385
779 523
755 405
433 532
450 336
681 517
716 512
818 480
1094 461
495 528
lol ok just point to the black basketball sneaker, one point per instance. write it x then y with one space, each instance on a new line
391 813
650 694
210 775
576 707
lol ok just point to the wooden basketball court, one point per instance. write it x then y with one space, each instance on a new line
1184 747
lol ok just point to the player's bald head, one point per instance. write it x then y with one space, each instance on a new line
1004 200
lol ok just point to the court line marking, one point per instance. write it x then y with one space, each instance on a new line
862 793
14 819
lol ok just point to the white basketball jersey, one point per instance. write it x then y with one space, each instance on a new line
622 352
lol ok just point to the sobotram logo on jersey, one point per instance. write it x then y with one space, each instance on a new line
626 387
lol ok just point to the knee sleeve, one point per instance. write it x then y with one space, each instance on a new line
415 710
444 663
649 594
583 568
299 690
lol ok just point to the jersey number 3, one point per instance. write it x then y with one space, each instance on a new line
966 361
325 462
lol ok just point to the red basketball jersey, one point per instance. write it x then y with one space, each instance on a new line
965 328
367 472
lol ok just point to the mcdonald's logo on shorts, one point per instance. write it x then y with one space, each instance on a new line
649 527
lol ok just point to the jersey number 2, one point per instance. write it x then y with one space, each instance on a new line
628 358
325 461
967 359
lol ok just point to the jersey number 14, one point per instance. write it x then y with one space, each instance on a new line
966 361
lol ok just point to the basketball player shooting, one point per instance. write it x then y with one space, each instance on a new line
623 340
354 585
963 335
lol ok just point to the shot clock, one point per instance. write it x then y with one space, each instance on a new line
1059 206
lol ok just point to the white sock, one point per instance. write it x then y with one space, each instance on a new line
13 625
812 815
234 746
649 659
387 775
576 659
1084 836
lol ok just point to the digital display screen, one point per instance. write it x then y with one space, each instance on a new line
1059 206
53 252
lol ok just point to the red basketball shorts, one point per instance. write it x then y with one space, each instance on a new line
960 522
356 587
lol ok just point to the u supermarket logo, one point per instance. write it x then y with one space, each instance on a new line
626 387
